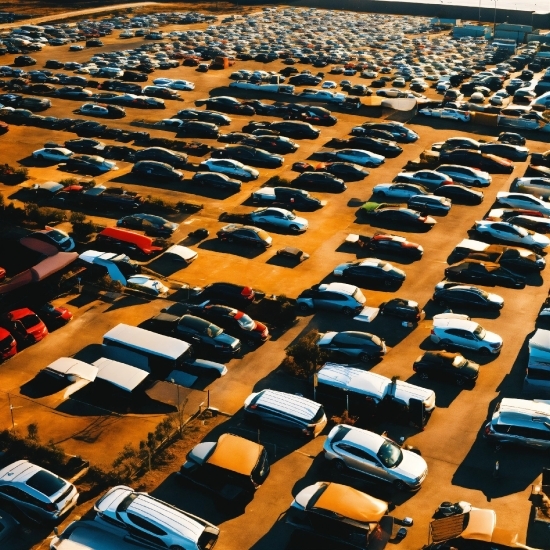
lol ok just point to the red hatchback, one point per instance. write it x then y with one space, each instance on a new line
8 345
25 325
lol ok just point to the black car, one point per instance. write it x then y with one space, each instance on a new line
86 164
249 155
295 129
400 133
159 154
201 334
24 61
309 113
477 271
394 245
204 116
477 159
272 144
344 170
304 80
233 137
74 92
407 310
267 109
446 366
119 152
89 128
370 271
226 104
10 100
234 322
54 64
373 132
319 180
245 234
512 138
152 225
398 216
215 179
505 150
198 129
460 194
230 294
467 296
91 146
131 76
375 145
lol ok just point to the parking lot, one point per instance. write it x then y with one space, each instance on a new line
461 464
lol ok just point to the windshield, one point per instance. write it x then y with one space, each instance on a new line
29 321
390 454
459 361
290 216
358 295
480 332
57 236
246 322
6 342
213 331
386 267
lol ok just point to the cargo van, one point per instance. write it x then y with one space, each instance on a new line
164 353
128 240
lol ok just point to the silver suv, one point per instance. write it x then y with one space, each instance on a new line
364 452
520 422
36 492
333 296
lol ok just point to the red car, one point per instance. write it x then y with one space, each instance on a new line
25 325
8 345
2 273
54 316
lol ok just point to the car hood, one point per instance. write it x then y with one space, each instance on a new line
492 338
539 239
224 338
470 370
496 298
411 467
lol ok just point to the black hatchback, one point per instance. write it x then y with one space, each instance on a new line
319 180
447 366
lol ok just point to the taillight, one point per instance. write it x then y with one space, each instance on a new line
448 182
415 368
432 331
488 430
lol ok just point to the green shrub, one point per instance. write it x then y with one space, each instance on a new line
77 217
44 216
277 181
109 284
65 182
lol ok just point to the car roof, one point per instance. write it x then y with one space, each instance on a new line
236 453
341 288
517 409
298 406
363 438
455 323
19 471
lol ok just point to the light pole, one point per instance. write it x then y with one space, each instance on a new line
479 17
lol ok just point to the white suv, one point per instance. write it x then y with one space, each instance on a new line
36 492
520 422
465 334
153 521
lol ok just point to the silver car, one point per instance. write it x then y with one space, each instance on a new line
279 217
36 492
368 453
466 175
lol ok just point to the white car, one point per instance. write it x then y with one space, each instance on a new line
279 217
329 85
93 109
431 179
466 175
146 518
465 334
147 284
174 84
523 200
56 154
322 95
442 86
505 232
357 156
364 452
453 114
399 190
369 74
230 167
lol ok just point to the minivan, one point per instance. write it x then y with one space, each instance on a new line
128 240
285 411
155 169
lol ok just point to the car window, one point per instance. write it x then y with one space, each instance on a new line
144 524
359 453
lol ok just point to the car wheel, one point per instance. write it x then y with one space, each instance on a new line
423 375
459 381
388 282
400 485
442 303
304 307
40 157
250 342
485 351
347 311
446 343
477 183
230 239
338 466
365 357
381 194
252 419
176 547
294 228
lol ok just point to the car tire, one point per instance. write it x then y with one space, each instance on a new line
459 381
294 228
304 308
477 183
423 375
364 357
40 157
381 194
347 311
485 351
230 239
400 485
447 344
250 342
338 466
252 420
442 303
176 547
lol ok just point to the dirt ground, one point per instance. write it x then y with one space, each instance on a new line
45 7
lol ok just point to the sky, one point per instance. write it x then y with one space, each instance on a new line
525 5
